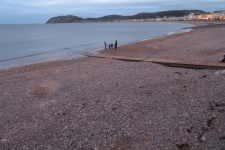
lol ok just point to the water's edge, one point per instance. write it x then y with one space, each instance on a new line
81 54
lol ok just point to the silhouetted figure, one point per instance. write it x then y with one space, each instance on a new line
115 45
105 45
223 60
111 45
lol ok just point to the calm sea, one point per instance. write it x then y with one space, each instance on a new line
35 43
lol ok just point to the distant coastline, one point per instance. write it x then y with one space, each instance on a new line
118 18
68 41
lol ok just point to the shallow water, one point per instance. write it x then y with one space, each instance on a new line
35 43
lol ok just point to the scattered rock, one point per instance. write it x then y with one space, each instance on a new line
4 140
33 119
203 138
189 130
222 137
201 133
221 110
220 104
209 121
183 146
178 73
211 105
203 77
184 141
61 114
84 105
149 94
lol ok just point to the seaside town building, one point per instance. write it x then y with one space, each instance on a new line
216 15
191 16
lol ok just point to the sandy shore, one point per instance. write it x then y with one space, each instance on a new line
101 103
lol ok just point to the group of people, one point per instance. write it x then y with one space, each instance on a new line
111 45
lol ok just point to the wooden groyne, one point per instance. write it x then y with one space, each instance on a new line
182 63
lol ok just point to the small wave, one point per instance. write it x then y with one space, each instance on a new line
146 39
26 56
170 33
22 57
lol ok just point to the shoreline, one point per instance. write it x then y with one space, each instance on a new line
198 24
151 47
102 103
70 55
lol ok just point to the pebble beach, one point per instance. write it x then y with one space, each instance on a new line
106 104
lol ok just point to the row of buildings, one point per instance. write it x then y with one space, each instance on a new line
216 15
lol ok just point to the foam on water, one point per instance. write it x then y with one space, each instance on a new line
170 33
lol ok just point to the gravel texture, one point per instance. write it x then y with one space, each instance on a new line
107 104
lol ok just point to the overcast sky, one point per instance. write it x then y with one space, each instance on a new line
39 11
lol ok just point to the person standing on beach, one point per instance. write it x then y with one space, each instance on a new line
223 60
115 45
109 46
105 44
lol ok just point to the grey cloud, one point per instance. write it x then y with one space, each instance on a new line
97 8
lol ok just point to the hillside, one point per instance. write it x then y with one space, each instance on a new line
65 19
74 19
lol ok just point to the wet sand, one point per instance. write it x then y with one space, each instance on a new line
102 103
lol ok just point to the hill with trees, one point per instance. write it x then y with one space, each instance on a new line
76 19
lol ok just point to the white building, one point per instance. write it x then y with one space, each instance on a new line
158 19
191 16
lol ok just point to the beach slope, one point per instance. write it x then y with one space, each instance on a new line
103 103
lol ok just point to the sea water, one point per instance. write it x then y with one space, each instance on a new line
25 44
